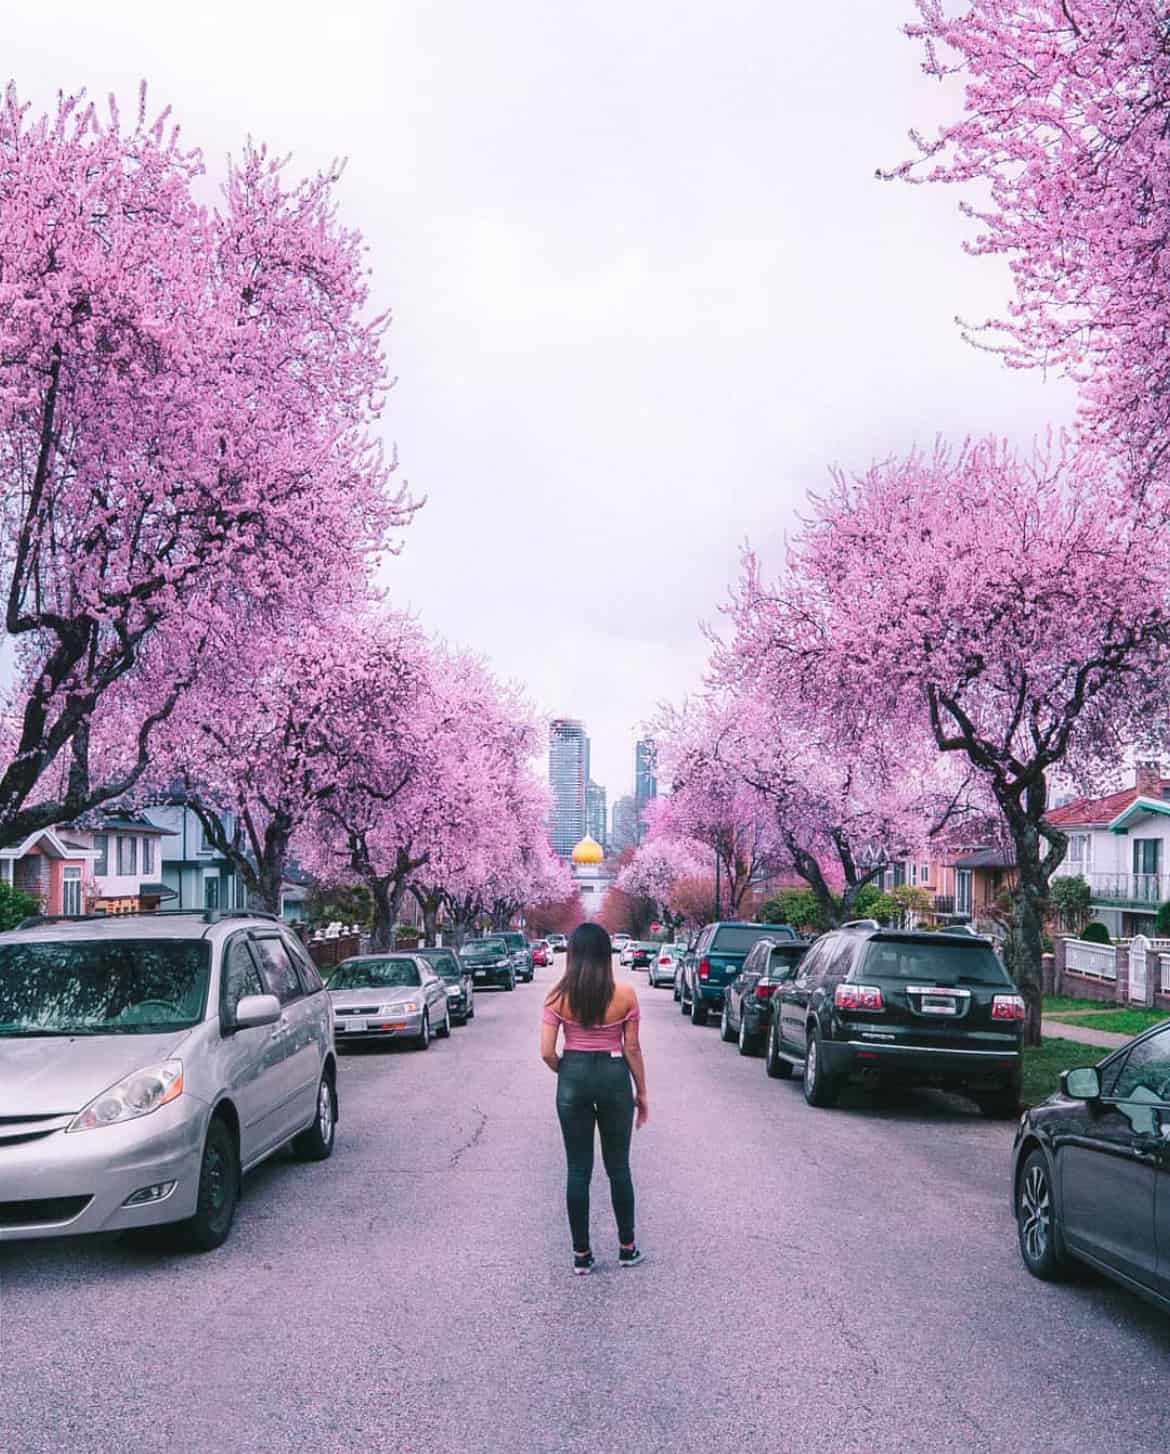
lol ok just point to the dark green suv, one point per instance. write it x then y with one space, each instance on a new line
715 960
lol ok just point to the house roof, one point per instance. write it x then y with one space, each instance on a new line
1140 805
1094 812
156 891
984 858
139 822
47 841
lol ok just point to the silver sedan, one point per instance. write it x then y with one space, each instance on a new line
388 997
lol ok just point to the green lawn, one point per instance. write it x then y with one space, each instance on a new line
1101 1015
1043 1064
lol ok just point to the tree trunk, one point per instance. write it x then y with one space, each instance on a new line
1029 897
387 894
270 868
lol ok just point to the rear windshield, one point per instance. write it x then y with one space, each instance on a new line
942 962
739 938
517 941
787 954
368 974
103 986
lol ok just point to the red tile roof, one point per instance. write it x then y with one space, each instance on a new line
1083 812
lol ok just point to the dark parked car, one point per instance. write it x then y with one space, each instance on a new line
716 959
641 953
490 961
521 954
1091 1171
747 1001
558 942
914 1006
457 979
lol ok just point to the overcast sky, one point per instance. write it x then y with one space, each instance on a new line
646 288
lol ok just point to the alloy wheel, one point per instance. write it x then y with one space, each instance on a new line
810 1064
1035 1214
325 1111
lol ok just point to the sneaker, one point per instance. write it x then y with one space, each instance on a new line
582 1263
629 1256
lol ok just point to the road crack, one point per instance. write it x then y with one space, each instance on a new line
473 1139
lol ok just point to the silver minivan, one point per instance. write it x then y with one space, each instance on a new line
147 1062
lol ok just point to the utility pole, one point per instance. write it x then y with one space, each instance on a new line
717 883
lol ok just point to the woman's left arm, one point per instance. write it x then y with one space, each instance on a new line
548 1046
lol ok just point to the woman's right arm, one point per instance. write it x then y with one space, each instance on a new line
632 1047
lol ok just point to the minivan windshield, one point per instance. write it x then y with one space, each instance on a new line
932 961
484 949
368 974
103 986
739 938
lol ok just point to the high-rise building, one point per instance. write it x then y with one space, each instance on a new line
568 774
595 814
645 777
625 825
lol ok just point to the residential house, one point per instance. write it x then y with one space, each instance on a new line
50 866
197 873
124 867
963 884
1120 844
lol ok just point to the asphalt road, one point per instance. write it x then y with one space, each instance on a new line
842 1280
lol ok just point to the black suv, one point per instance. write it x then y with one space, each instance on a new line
458 979
490 961
747 1001
521 952
715 960
916 1006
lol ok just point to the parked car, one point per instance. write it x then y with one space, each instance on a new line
916 1006
518 948
642 952
662 965
620 939
147 1062
490 961
457 979
542 953
559 943
1091 1171
715 960
389 997
747 1000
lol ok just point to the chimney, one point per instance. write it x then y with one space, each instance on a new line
1148 777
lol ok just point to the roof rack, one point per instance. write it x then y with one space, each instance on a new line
861 924
208 916
213 916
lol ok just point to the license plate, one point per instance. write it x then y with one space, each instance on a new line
939 1005
481 974
356 1025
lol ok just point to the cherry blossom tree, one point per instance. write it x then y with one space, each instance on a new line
1060 150
1012 607
187 408
657 871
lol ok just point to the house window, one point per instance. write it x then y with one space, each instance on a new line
913 873
127 854
101 841
924 873
211 892
71 891
1078 853
1147 854
148 855
205 843
963 890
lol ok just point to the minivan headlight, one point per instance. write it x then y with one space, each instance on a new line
138 1094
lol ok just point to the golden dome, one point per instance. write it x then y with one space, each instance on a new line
588 851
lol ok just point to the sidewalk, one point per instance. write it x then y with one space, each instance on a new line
1103 1039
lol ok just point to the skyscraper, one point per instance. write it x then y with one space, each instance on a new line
645 776
625 825
595 815
568 774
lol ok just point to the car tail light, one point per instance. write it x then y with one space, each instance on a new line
857 997
764 989
1008 1007
664 959
704 968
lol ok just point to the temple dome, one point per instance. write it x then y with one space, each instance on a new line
588 851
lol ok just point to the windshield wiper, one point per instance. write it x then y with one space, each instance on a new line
36 1032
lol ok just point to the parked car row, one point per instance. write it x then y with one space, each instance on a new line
1090 1173
148 1062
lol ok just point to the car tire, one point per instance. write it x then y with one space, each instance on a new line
748 1044
315 1143
471 1011
218 1195
699 1012
683 1005
726 1033
1036 1222
819 1089
510 983
445 1032
774 1063
422 1041
677 996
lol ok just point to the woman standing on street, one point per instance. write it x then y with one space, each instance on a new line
601 1053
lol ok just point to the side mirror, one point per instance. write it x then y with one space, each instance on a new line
1082 1084
255 1010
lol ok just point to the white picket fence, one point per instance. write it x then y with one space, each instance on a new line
1099 961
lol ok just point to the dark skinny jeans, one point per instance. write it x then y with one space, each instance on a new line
594 1090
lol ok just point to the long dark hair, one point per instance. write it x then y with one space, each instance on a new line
587 983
